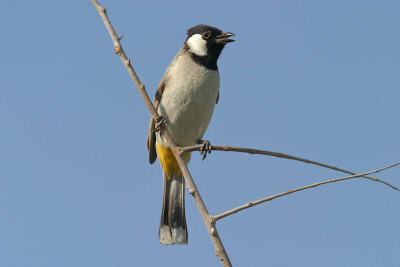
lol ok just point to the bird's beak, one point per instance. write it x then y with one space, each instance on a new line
223 38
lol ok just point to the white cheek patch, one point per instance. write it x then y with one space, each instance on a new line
197 45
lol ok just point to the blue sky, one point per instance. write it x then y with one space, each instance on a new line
314 79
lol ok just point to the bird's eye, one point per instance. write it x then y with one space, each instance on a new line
206 35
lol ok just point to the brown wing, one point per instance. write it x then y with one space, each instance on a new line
151 137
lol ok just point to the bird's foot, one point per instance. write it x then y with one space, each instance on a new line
205 147
159 122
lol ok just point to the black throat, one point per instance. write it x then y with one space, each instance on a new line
209 61
205 61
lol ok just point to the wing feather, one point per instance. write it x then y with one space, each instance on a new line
151 137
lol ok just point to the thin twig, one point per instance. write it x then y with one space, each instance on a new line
281 155
257 202
219 248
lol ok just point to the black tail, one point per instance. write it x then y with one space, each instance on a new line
173 222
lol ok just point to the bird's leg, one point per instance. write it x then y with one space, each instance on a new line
159 122
205 147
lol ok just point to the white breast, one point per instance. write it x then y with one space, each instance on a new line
188 100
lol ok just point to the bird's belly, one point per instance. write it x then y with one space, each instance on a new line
188 109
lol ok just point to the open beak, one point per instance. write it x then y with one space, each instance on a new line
223 38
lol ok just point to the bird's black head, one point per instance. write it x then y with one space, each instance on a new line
205 43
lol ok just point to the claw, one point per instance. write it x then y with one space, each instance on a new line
205 147
159 122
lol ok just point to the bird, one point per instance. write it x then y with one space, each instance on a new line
185 100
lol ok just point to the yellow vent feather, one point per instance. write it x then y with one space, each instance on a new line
168 162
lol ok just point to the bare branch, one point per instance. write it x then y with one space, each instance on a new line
120 52
257 202
281 155
219 248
